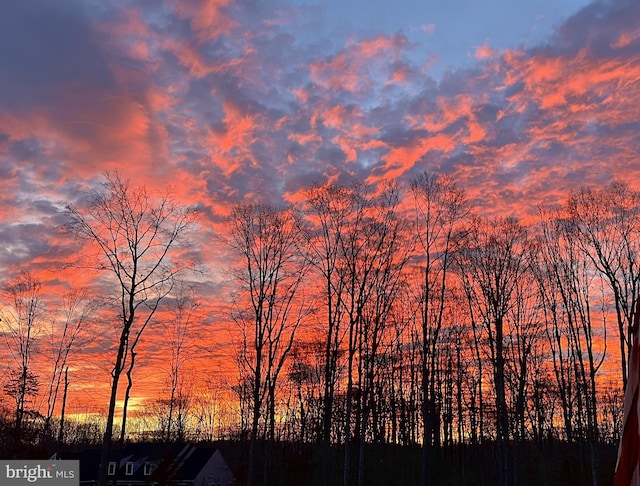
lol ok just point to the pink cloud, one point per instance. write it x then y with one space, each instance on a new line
484 52
350 70
207 17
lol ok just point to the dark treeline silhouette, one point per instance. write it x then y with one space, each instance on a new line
385 336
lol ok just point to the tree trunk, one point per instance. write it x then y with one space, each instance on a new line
64 406
106 440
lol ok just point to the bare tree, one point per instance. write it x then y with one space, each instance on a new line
328 210
400 353
269 310
64 336
173 413
211 409
180 333
386 232
551 273
606 222
440 207
305 373
22 324
525 330
405 373
491 262
568 286
132 237
358 255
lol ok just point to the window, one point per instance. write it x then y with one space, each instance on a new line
112 469
147 469
129 469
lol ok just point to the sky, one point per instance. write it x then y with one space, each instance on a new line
230 101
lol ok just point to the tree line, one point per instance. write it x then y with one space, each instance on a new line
369 315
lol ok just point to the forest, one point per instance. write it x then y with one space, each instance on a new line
381 334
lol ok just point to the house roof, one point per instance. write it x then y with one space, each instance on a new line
165 461
194 463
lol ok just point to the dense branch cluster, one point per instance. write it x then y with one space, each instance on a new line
369 315
433 325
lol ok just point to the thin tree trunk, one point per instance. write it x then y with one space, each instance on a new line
127 394
64 405
253 453
347 419
106 440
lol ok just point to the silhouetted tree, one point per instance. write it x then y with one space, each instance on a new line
440 206
568 284
132 237
366 248
180 332
328 210
269 271
491 262
64 336
390 251
606 222
22 324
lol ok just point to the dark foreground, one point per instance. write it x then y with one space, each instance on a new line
550 463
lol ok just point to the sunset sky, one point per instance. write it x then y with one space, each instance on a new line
254 100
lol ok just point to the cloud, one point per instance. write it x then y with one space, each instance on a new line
232 101
45 46
428 28
484 51
208 18
237 102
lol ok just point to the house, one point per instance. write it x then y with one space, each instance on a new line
152 464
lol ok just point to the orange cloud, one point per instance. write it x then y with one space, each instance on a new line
400 159
339 73
450 111
350 69
380 45
130 33
190 57
207 17
484 52
305 138
552 82
625 39
230 147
